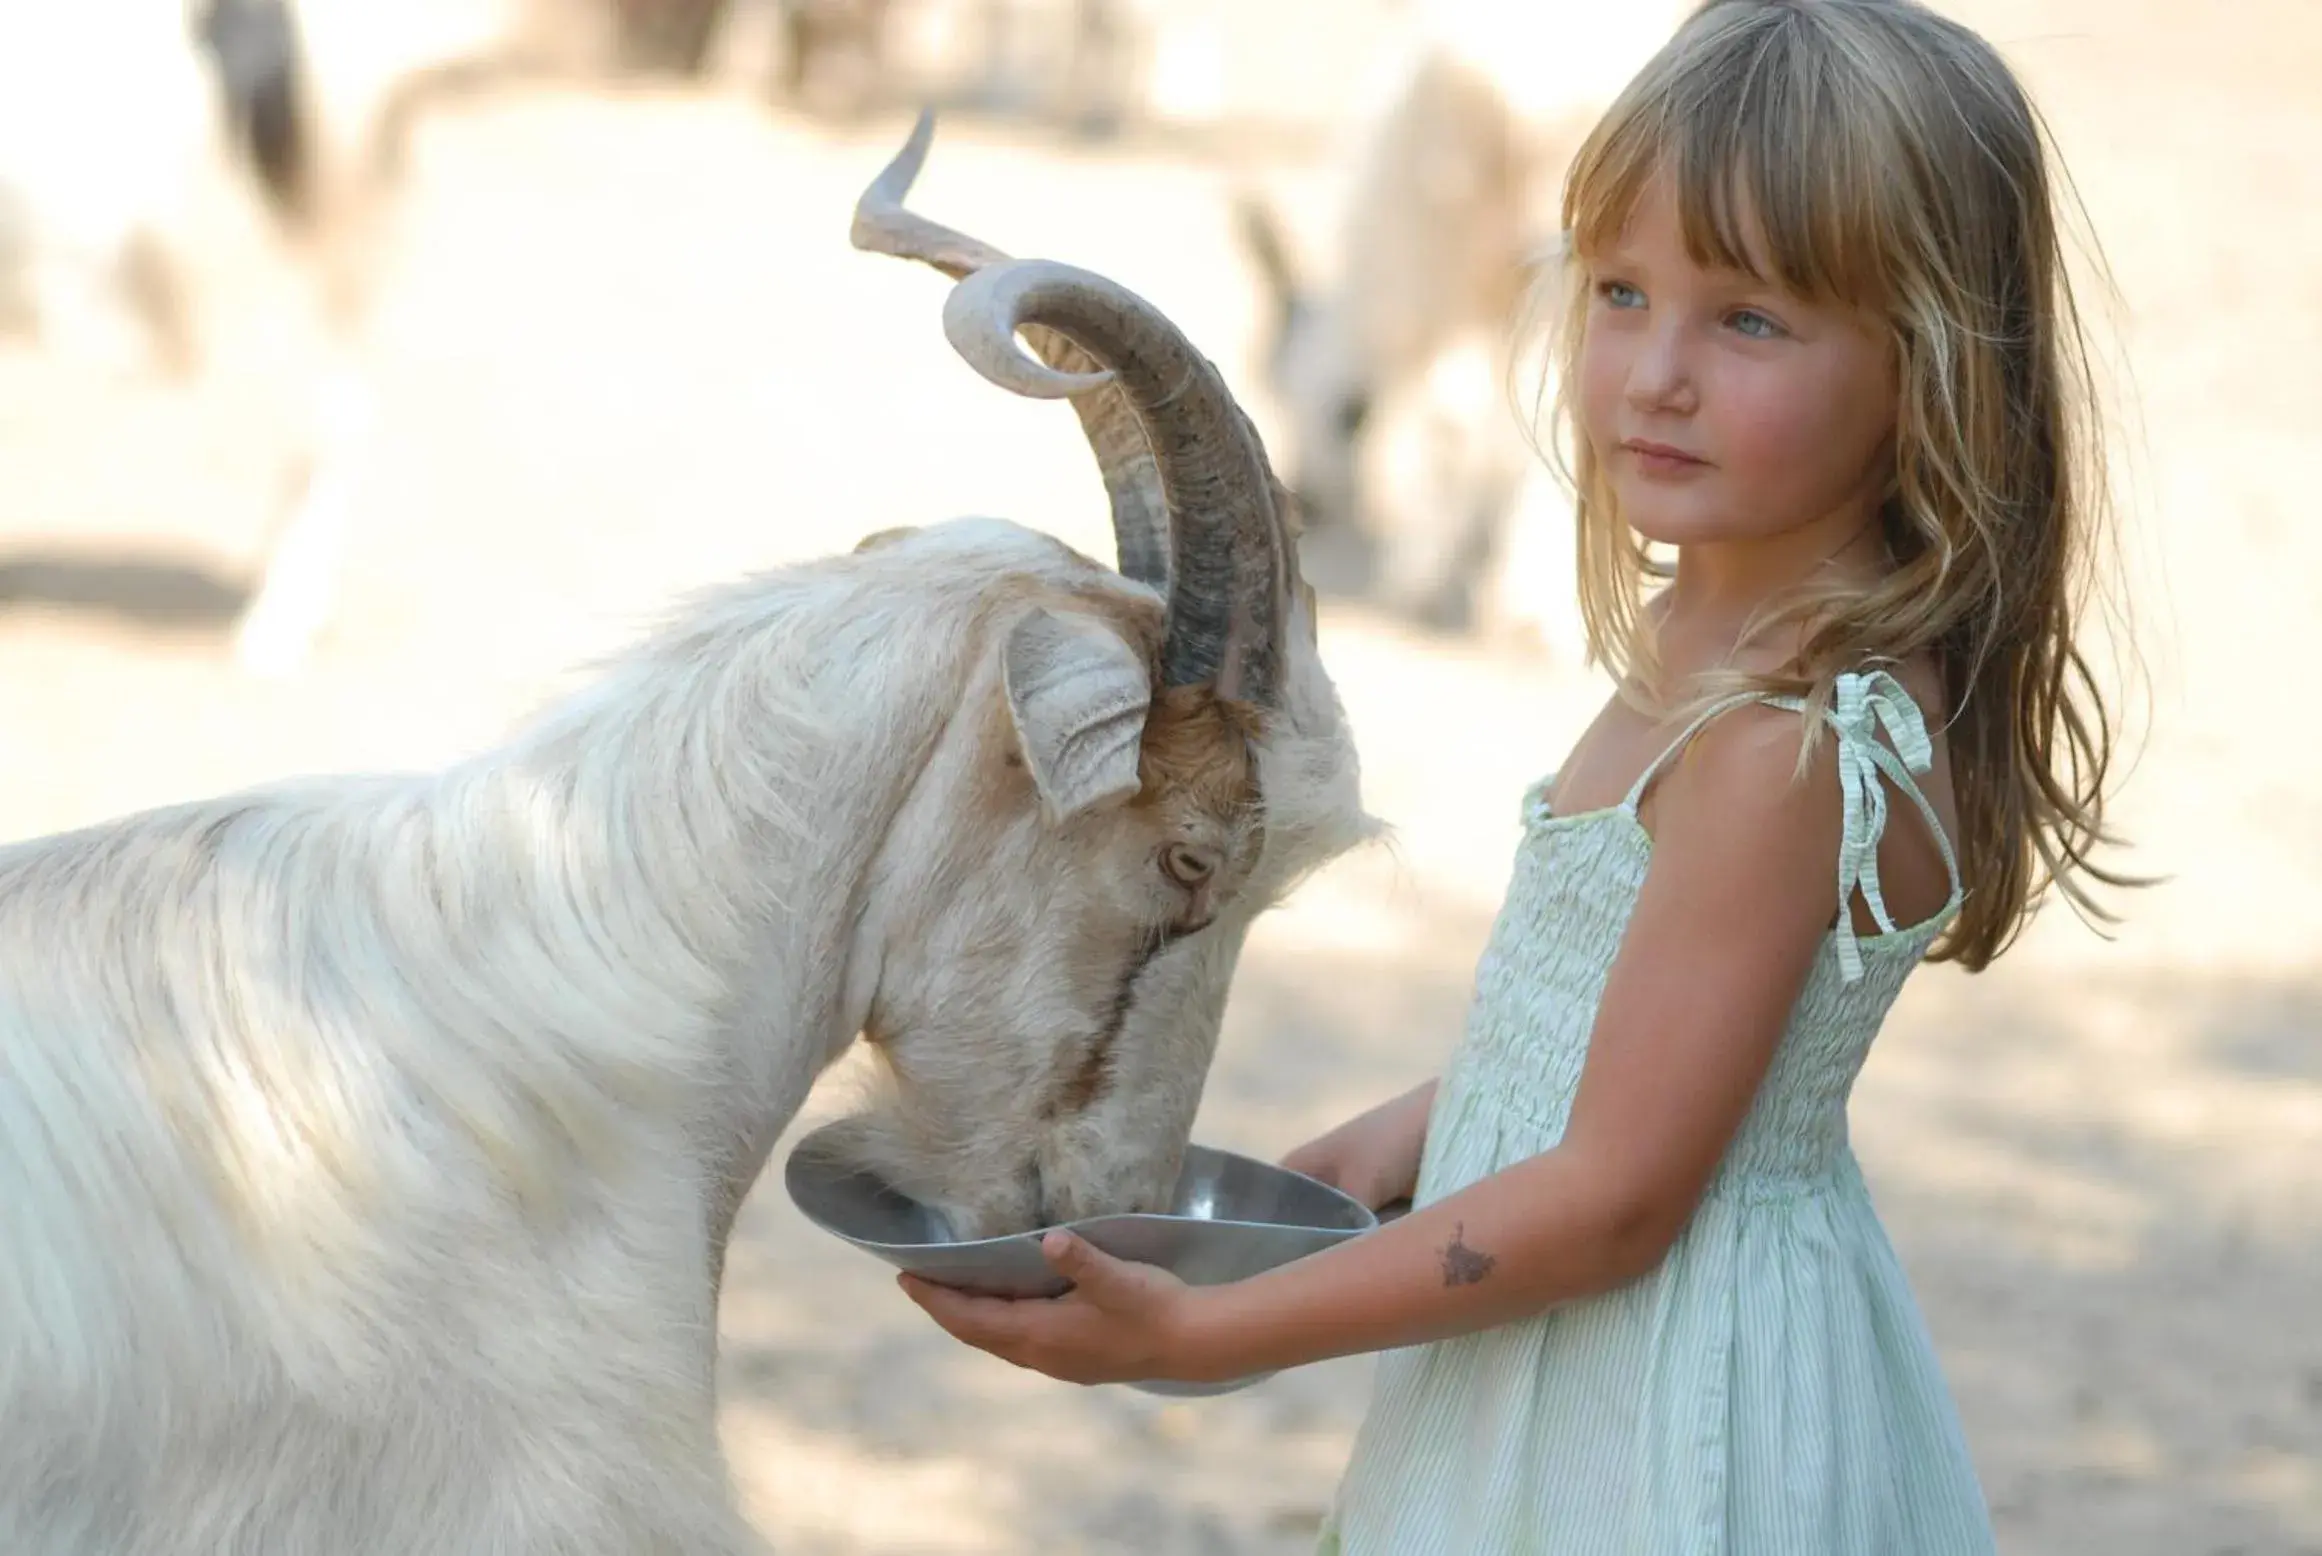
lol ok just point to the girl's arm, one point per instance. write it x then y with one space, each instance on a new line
1741 891
1373 1156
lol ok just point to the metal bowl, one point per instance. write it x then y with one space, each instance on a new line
1233 1216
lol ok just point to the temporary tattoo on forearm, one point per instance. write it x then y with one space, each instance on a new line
1462 1265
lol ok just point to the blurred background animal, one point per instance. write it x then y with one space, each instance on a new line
1396 363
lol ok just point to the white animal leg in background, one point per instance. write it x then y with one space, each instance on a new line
1437 465
298 585
1531 594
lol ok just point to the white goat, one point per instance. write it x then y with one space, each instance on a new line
369 1145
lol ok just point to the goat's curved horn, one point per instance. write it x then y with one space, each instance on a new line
1141 532
1233 558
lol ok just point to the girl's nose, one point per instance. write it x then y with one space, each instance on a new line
1660 375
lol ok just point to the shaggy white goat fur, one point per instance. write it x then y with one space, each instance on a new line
368 1145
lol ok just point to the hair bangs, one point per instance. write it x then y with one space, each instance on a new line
1726 115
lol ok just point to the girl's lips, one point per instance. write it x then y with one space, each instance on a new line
1660 459
1645 446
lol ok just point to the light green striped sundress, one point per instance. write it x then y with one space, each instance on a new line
1770 1389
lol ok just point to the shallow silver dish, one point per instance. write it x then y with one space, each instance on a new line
1233 1216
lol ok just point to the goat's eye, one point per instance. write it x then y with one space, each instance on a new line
1187 865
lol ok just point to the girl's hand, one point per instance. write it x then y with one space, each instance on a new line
1121 1322
1372 1157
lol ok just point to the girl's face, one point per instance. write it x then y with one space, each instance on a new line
1721 409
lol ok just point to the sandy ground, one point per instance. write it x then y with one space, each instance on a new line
628 351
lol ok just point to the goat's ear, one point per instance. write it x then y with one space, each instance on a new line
1079 695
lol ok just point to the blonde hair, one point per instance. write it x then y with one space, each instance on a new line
1874 154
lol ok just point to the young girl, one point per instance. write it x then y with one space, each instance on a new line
1821 347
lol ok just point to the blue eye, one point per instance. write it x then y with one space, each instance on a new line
1620 294
1756 325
